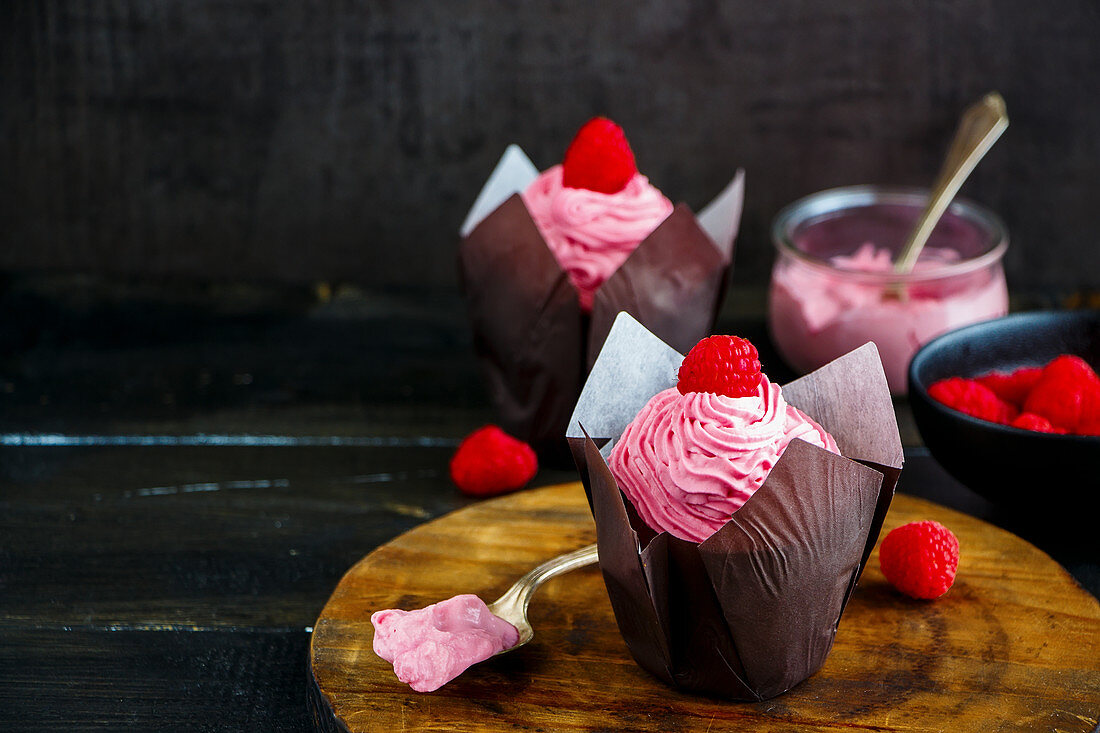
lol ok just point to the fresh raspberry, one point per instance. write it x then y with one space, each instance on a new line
599 158
1090 425
1013 387
1031 421
1067 393
725 365
976 400
920 559
490 462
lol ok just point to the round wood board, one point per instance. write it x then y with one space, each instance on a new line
1013 646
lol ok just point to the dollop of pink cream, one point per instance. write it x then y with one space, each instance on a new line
591 233
826 300
431 646
817 316
688 462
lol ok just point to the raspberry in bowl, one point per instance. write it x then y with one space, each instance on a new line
1021 458
833 287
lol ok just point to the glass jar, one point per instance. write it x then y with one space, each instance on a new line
833 287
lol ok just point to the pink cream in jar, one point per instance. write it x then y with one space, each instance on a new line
833 287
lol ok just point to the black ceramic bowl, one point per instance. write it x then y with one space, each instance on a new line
1018 470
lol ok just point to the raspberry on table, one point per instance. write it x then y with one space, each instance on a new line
920 559
724 365
490 462
599 158
972 398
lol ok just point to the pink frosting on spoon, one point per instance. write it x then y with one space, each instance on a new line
431 646
688 462
591 233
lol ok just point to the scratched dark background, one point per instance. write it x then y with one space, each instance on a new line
344 139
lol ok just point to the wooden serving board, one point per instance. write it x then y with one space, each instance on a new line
1013 646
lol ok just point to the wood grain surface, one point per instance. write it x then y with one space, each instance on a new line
1013 646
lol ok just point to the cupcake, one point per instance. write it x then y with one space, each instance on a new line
548 259
595 208
696 452
733 515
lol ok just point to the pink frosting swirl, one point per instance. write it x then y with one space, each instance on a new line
591 233
688 462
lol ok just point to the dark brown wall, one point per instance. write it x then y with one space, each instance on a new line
345 140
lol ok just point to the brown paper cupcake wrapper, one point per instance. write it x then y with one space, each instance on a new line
753 610
534 344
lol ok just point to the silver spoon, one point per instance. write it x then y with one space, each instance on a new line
512 606
980 126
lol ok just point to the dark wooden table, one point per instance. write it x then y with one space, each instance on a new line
185 474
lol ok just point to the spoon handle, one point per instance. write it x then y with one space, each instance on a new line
517 598
981 124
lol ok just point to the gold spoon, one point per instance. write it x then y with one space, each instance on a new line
980 126
512 606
